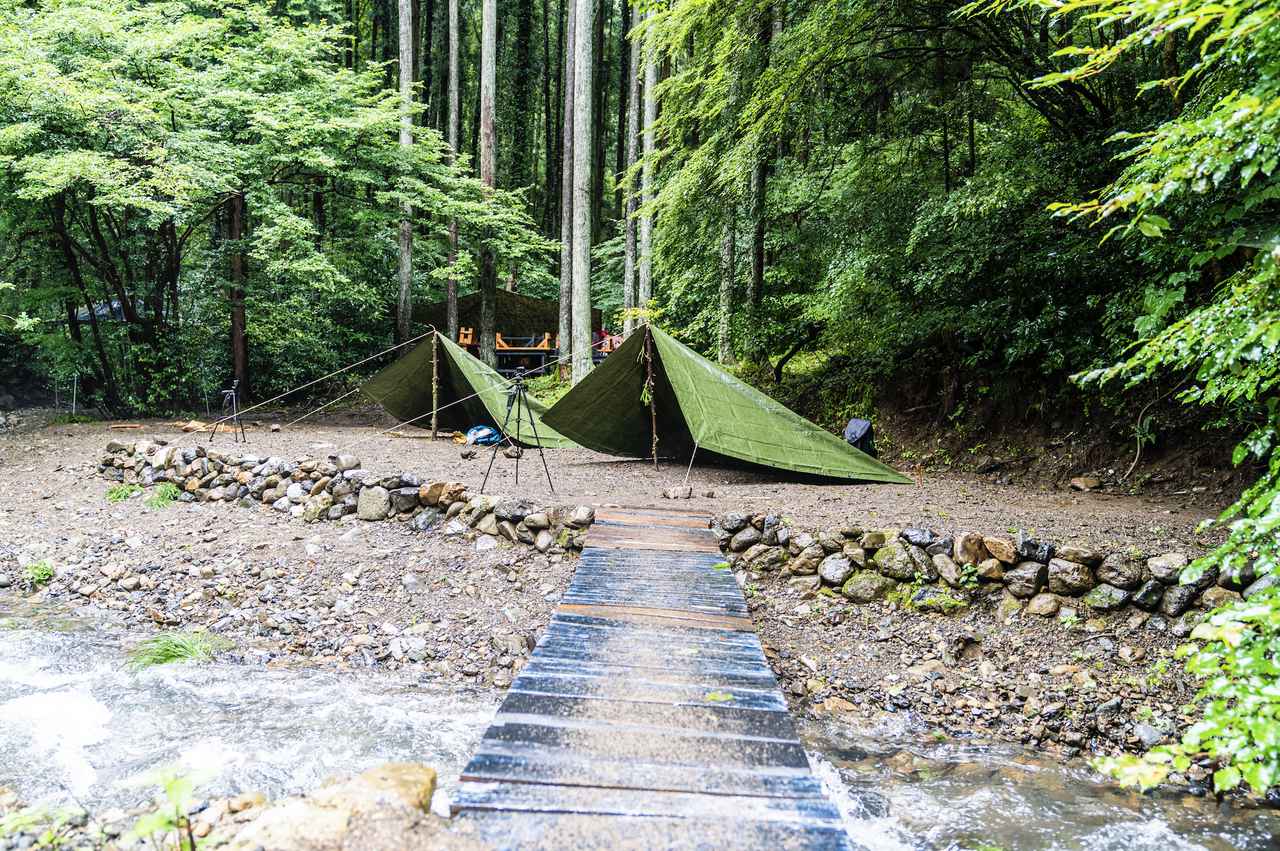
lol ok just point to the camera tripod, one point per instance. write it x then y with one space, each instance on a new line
517 396
231 411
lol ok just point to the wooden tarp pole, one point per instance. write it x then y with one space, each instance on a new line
435 384
653 403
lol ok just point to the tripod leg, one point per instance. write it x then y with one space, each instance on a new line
538 442
494 453
514 445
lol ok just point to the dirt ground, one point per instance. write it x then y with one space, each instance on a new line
351 593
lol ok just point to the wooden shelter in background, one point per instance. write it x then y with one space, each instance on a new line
516 315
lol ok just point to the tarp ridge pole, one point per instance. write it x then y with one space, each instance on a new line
435 385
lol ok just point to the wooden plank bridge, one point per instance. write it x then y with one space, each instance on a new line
647 716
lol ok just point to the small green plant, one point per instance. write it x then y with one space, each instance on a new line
1157 673
720 565
969 575
38 574
170 817
121 492
71 419
1069 621
170 647
165 495
51 828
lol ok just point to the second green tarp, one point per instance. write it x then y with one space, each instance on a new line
471 393
696 403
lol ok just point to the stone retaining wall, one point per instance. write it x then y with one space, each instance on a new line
331 488
935 571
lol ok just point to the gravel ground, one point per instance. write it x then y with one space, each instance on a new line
374 594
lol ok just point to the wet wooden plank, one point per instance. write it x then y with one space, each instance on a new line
647 699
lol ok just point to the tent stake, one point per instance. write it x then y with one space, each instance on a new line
435 385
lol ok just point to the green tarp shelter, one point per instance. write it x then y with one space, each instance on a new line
471 393
697 403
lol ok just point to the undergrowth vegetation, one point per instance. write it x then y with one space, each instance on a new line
169 647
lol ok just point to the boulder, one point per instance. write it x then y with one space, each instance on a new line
374 504
992 570
808 559
865 586
1080 554
1029 549
1069 577
581 516
1044 605
734 522
969 548
1106 598
1149 595
1168 567
1120 570
1177 599
919 537
744 539
894 561
1000 548
835 569
947 569
514 510
404 500
1026 578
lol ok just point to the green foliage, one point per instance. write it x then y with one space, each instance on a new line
168 647
38 574
122 491
51 828
165 495
170 816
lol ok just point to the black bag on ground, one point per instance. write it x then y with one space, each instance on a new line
858 434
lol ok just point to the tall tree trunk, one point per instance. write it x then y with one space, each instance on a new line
582 130
759 190
424 67
72 262
239 335
566 186
626 71
600 103
629 271
488 172
548 144
454 133
645 292
521 154
728 271
353 35
404 305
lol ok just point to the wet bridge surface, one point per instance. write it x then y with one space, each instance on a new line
647 716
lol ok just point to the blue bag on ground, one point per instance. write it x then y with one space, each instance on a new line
482 436
859 435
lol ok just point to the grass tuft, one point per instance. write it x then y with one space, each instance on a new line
38 573
168 647
119 493
165 495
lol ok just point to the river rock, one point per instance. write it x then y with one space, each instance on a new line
374 503
317 507
744 539
831 540
808 559
893 561
543 541
992 570
947 569
1262 583
1029 549
1044 605
1000 548
1212 598
764 557
799 542
855 553
1168 567
1080 554
969 548
1026 578
426 520
296 493
865 586
346 462
1069 577
514 510
487 524
932 599
1120 570
918 537
404 500
1149 595
582 516
734 522
537 521
944 544
1106 598
484 543
1177 599
835 569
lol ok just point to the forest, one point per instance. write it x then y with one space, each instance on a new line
1007 206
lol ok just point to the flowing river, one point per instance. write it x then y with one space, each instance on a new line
76 727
